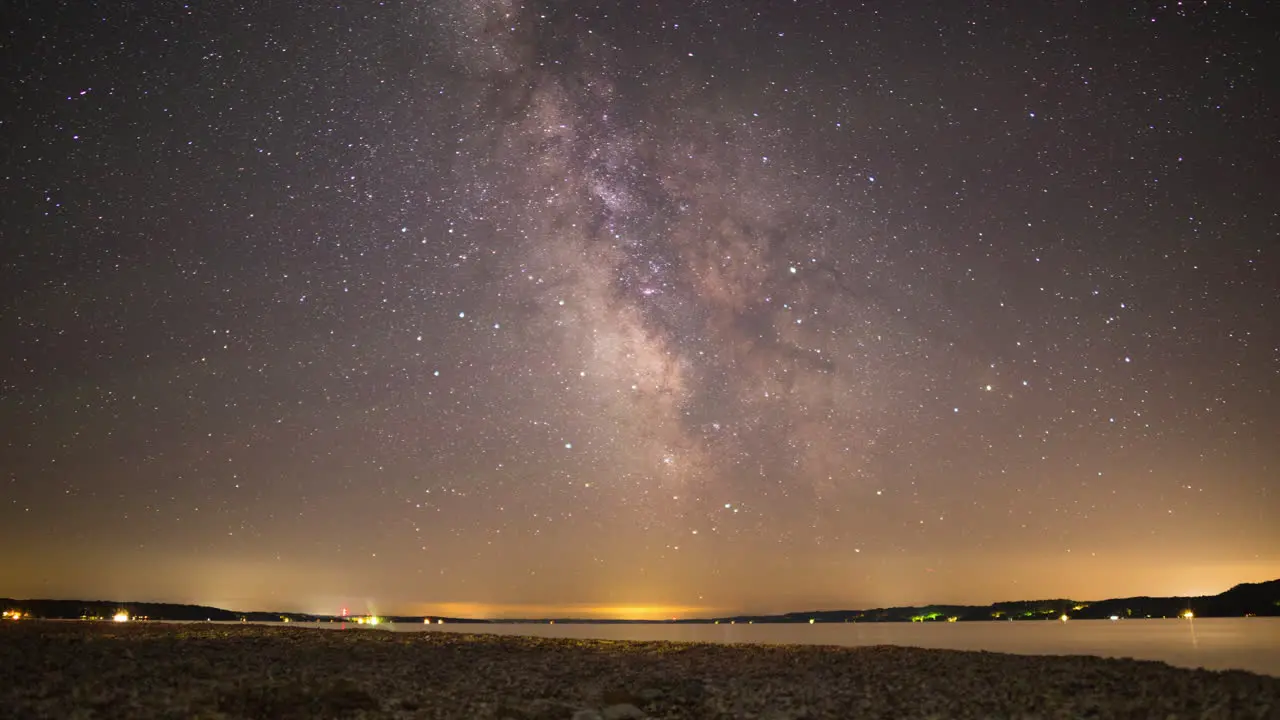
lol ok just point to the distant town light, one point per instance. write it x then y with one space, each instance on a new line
120 617
1189 615
1064 617
1114 618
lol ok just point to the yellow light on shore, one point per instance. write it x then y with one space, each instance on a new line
13 614
1189 615
120 617
1064 617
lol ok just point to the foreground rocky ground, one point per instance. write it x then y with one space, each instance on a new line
138 670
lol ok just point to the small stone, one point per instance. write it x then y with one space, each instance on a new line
649 694
617 697
545 709
587 714
623 711
688 690
508 711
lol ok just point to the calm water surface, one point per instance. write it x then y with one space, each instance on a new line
1215 643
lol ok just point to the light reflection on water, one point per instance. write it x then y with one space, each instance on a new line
1215 643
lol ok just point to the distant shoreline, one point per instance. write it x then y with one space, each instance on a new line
1243 600
145 670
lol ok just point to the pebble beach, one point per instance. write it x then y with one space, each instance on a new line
157 670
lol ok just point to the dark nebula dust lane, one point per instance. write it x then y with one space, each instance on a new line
499 307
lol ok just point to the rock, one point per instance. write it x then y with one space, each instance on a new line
649 695
688 690
344 696
587 714
778 715
508 710
544 709
539 709
623 711
618 697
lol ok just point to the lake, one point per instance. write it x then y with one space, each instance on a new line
1214 643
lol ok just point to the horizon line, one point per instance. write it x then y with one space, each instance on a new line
603 613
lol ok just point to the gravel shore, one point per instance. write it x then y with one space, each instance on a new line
151 670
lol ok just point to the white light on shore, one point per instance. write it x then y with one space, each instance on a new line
1114 618
120 617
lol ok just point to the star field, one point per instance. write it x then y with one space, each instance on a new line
495 307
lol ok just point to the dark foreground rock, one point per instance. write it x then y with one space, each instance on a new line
136 670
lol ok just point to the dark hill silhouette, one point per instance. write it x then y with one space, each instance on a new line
1261 599
105 609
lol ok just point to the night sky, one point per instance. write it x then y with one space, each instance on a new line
510 308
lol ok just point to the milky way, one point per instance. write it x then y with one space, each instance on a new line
677 252
504 307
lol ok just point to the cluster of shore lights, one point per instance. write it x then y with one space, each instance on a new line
120 617
12 615
370 620
439 621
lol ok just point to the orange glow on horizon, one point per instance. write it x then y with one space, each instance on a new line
499 611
